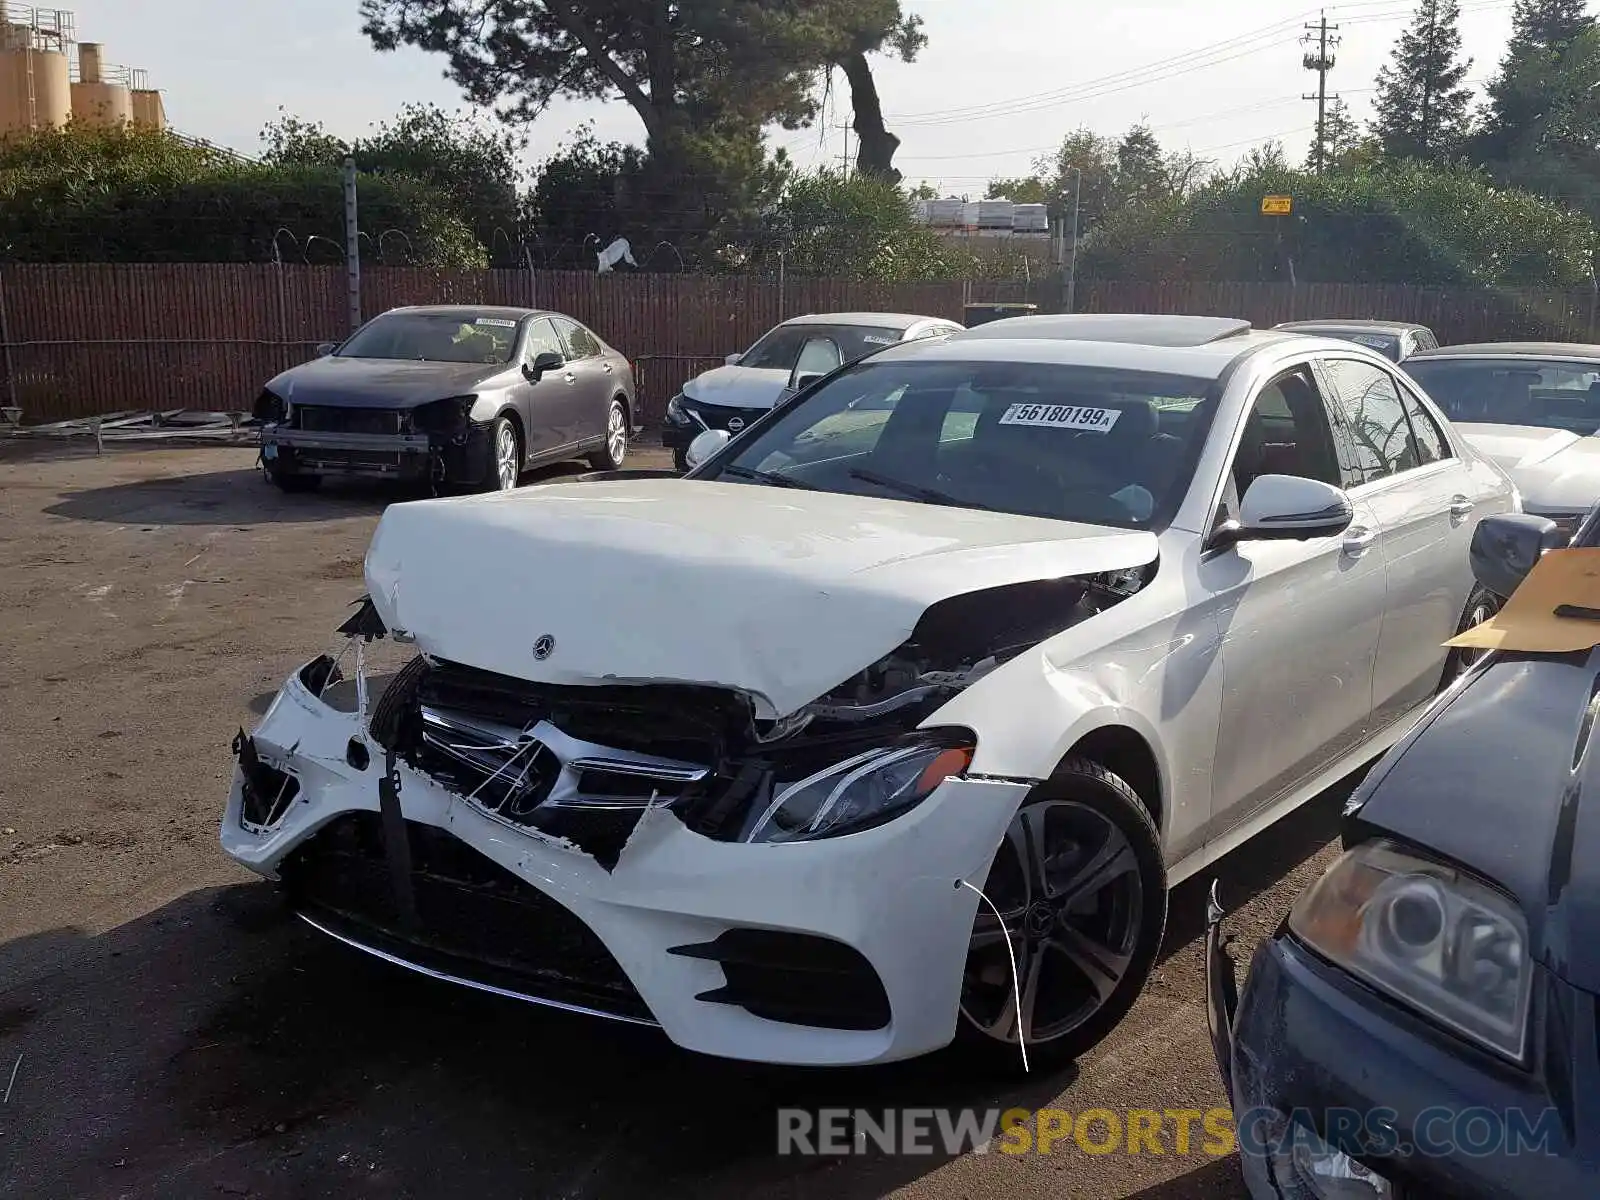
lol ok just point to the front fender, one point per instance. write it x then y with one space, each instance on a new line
1161 679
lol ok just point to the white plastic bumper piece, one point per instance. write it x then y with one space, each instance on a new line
888 892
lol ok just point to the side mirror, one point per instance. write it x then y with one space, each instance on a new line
705 445
326 348
1507 545
803 381
733 360
1291 508
545 360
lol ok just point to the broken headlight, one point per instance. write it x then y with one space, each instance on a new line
443 416
863 791
1433 937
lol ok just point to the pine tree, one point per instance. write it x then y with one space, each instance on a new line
1141 169
1423 105
1339 136
1541 75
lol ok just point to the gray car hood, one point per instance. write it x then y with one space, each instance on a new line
739 387
338 382
776 593
1555 470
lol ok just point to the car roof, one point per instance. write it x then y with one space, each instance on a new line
901 321
1578 350
486 310
1355 326
1207 360
1129 328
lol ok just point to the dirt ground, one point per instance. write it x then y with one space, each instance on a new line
172 1035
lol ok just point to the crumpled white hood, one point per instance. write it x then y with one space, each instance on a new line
782 594
739 387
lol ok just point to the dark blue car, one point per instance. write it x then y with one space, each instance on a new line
1426 1021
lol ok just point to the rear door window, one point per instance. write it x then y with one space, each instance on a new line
1378 439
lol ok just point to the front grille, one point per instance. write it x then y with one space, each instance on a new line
796 978
475 920
313 418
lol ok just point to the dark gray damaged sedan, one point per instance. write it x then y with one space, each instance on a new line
1426 1021
449 395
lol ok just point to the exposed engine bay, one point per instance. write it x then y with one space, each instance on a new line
583 763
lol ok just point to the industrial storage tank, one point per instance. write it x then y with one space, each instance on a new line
40 52
1031 218
95 101
148 109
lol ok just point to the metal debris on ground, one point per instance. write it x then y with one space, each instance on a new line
13 1080
174 424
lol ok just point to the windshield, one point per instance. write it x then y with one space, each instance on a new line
781 347
1543 393
1091 444
434 337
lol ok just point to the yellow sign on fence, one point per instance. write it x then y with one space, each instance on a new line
1277 206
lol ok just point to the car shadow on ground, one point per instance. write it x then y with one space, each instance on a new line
219 1044
244 498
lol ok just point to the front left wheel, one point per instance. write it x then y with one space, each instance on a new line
506 455
611 456
1481 605
1081 890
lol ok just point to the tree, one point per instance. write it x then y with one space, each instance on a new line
682 65
876 146
860 228
84 194
475 164
1141 175
1423 106
1340 136
1026 189
1401 222
1541 86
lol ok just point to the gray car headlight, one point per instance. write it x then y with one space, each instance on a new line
863 791
1428 935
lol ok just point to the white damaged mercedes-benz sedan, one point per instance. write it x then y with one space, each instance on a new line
890 724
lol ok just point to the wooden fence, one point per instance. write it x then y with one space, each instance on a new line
84 339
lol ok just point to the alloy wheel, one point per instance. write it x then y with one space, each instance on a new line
1068 888
617 435
1467 658
507 468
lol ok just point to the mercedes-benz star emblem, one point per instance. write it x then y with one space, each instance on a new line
544 647
735 423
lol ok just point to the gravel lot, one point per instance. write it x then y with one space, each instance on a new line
179 1038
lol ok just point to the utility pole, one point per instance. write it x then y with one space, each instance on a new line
352 246
1319 58
1072 268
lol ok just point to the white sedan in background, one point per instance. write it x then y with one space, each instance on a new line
784 360
891 723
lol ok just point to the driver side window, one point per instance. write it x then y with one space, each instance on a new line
1286 433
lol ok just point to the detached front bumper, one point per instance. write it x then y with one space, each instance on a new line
400 456
1339 1094
700 937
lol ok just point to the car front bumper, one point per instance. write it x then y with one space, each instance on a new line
1313 1059
889 894
401 456
677 435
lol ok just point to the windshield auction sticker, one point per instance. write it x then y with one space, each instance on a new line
1062 416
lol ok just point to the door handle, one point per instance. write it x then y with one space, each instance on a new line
608 368
1460 506
1357 540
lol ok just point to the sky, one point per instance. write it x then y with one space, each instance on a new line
1000 82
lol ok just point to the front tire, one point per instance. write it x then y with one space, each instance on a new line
611 456
505 455
1481 605
1081 889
